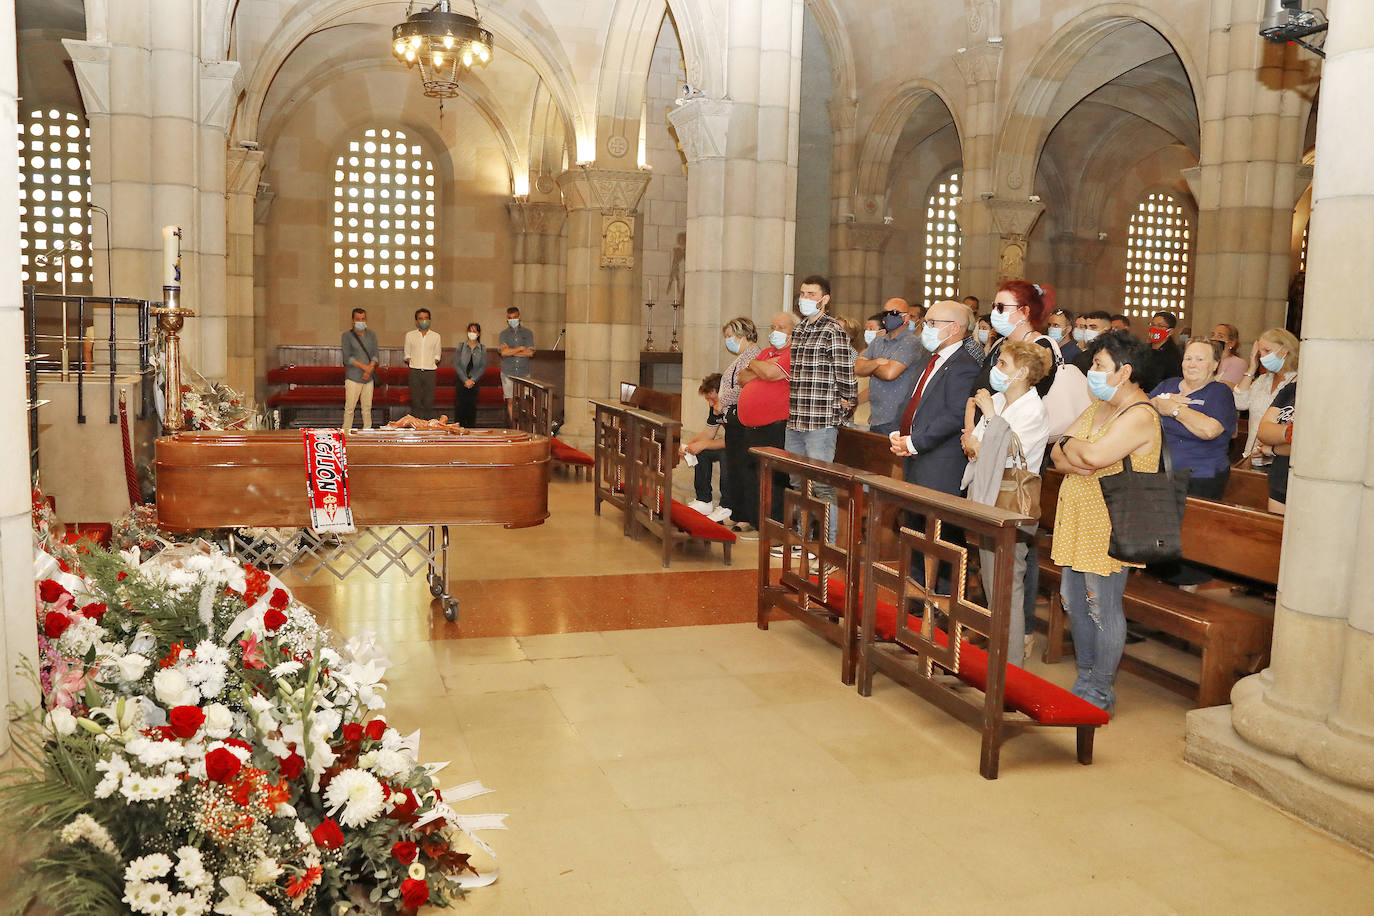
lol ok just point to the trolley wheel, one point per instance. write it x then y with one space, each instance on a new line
451 610
436 585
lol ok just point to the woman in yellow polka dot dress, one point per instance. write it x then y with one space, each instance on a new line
1120 422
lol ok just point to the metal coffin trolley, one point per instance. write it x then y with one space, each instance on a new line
398 479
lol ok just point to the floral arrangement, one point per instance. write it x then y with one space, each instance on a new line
205 749
136 529
212 405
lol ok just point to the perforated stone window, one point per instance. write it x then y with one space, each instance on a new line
942 240
1158 252
1302 252
384 222
54 191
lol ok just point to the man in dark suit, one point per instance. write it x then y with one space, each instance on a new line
930 427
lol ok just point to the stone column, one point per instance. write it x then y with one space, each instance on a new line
741 186
538 256
980 65
1253 122
18 635
857 268
1304 728
603 304
244 172
1075 270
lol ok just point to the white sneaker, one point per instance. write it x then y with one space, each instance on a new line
699 506
720 515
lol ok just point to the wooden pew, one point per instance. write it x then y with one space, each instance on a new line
1247 487
667 403
1234 540
532 411
611 457
872 452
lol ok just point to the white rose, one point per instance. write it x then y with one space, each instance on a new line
132 666
171 688
62 720
219 721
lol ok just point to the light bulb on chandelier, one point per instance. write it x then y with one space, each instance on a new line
444 45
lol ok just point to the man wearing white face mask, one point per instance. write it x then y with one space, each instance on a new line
517 346
891 361
823 389
1087 329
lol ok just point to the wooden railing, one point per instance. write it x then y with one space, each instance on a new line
611 469
653 451
531 406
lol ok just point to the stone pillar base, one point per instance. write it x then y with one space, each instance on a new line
1212 744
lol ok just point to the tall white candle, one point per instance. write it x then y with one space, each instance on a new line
171 256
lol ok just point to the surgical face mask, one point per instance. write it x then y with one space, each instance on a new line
893 320
1056 333
360 326
422 325
1001 323
1272 361
982 335
1183 339
1157 335
808 307
1089 335
513 322
472 335
999 380
778 339
732 345
914 324
930 338
870 335
1098 387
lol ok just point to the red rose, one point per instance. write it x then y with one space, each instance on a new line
405 852
121 577
376 728
414 893
406 808
222 764
50 591
55 624
94 611
353 732
292 766
280 599
329 836
273 620
185 720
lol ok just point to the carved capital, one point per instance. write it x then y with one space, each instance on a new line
702 126
243 170
221 82
91 63
617 190
979 64
843 113
536 218
1013 217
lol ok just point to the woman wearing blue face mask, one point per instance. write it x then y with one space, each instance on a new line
1273 364
1120 422
741 339
1012 406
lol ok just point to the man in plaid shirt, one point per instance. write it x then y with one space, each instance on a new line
823 389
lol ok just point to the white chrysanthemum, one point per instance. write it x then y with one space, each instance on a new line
219 721
61 720
147 897
115 769
190 870
185 905
212 653
85 827
172 688
145 868
287 668
132 666
303 834
358 793
154 754
138 787
265 871
391 763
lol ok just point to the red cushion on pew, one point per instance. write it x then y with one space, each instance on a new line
490 397
491 375
1025 692
391 396
568 455
698 525
309 395
393 375
306 375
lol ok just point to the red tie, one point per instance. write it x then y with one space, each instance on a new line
910 414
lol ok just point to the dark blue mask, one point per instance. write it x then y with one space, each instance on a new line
893 320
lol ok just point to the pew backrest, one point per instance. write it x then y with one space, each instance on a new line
869 452
531 405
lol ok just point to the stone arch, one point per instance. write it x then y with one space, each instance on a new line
839 47
875 158
1032 112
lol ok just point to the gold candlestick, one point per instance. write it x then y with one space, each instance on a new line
171 317
673 345
649 338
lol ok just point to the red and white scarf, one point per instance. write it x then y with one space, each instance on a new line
326 467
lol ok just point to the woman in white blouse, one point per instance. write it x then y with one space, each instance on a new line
1276 353
1020 364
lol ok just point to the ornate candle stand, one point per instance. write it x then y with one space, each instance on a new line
649 338
673 346
171 317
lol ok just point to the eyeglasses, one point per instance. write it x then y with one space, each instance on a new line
932 322
1004 307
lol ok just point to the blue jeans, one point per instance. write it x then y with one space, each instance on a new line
1099 631
818 444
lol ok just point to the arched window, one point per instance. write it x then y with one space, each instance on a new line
1302 253
384 222
54 191
1158 250
942 240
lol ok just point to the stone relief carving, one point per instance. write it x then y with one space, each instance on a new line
1011 263
617 146
617 240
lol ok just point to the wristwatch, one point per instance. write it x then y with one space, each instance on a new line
1174 415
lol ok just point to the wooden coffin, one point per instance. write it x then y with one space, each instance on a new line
395 477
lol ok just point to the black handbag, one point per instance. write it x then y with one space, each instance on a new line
1146 510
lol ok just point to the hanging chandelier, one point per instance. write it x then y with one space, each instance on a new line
444 44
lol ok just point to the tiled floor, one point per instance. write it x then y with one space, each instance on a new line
715 768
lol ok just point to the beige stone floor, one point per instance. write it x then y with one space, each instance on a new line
723 769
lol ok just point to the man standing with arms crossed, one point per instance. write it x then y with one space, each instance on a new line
360 362
823 390
422 351
891 362
517 346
